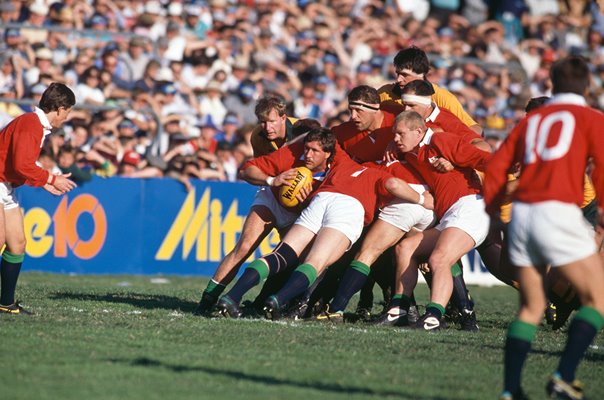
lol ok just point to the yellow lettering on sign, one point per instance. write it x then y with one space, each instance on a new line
37 224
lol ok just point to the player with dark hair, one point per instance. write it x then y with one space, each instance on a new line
412 64
365 137
332 222
273 131
462 225
315 150
20 144
547 227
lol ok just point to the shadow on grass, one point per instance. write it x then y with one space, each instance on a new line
589 356
270 380
140 300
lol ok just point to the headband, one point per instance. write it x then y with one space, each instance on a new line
413 98
369 106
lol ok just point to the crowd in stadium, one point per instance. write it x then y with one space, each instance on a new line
418 92
183 77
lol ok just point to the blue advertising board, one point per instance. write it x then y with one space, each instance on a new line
136 226
148 226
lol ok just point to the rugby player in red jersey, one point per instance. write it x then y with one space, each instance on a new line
553 145
463 223
20 143
332 222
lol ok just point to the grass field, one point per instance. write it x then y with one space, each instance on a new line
125 337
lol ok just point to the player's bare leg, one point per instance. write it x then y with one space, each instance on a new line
449 245
380 237
256 227
405 280
328 246
521 331
12 258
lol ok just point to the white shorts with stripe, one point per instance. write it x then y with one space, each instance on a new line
334 210
549 233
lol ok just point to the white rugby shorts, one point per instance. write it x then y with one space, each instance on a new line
7 196
549 233
334 210
467 214
406 216
283 217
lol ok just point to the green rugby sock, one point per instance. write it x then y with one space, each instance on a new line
517 346
10 267
582 331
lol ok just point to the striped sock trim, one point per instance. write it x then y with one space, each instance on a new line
13 258
309 271
260 267
436 306
591 316
361 267
456 269
522 330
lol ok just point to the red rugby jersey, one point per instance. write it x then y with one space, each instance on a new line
289 156
553 144
20 143
450 186
363 146
362 182
448 122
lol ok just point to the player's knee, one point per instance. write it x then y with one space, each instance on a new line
17 246
282 256
439 260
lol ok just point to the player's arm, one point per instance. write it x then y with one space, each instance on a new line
459 152
401 189
254 175
495 183
26 142
274 169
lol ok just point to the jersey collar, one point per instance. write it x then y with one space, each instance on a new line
43 120
567 98
427 138
434 114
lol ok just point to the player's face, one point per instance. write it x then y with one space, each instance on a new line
274 125
406 139
361 117
315 158
404 76
61 117
421 109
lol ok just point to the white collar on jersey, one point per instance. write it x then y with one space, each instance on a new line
43 120
427 137
567 98
434 114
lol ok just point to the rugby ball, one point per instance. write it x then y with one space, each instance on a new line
287 194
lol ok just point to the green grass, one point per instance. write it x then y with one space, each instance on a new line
97 337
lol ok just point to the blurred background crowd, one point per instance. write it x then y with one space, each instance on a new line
168 88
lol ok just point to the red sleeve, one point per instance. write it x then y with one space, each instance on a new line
25 150
460 152
383 195
279 161
496 172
